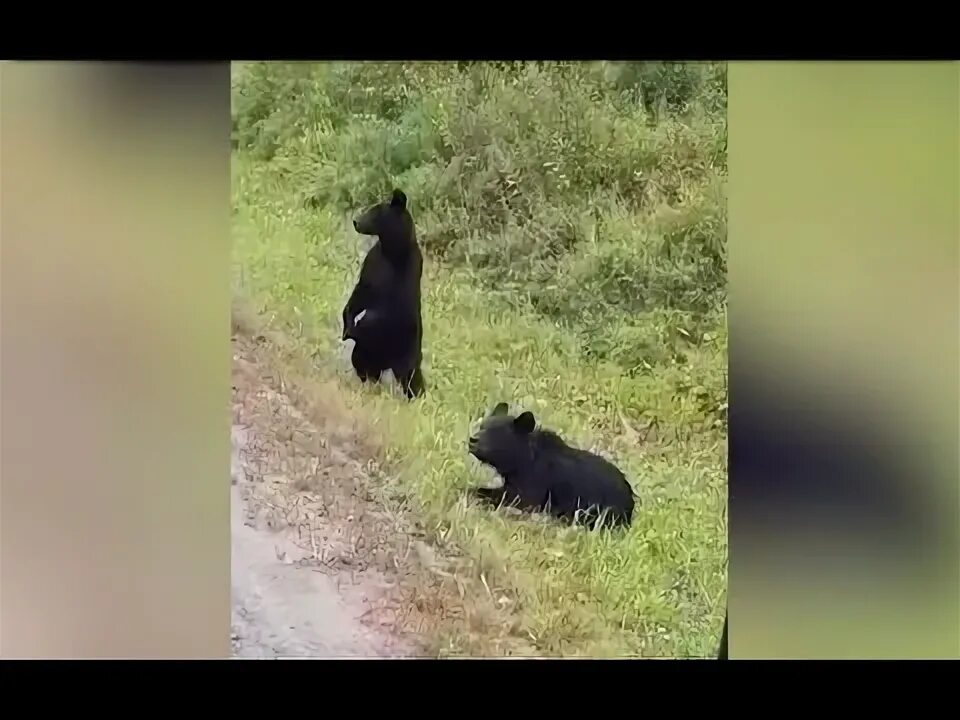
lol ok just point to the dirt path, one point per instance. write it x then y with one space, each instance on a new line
310 578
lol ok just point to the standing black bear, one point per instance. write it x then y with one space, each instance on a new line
389 330
541 472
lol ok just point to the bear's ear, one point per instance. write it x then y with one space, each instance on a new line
398 200
525 423
500 409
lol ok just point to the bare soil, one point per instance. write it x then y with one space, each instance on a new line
311 573
331 557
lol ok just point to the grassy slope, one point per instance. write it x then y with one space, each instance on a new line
575 267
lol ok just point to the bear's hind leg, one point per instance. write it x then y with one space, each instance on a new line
411 381
366 370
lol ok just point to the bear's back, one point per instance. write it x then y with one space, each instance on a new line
570 472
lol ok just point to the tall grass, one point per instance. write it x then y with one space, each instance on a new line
574 222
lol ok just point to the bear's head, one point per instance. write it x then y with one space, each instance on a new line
503 441
390 220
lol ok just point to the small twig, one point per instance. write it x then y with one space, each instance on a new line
313 543
483 579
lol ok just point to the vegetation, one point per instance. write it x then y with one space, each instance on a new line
574 224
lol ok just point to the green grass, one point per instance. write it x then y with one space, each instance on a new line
574 225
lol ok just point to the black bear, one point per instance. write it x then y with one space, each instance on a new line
382 316
542 473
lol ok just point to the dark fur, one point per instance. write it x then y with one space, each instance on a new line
389 336
722 652
542 473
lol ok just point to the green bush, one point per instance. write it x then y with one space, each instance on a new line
510 170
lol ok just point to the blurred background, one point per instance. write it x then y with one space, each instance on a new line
844 226
114 185
580 215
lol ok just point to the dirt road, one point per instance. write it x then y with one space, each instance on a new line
309 577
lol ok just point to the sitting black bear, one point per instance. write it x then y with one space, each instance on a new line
542 473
